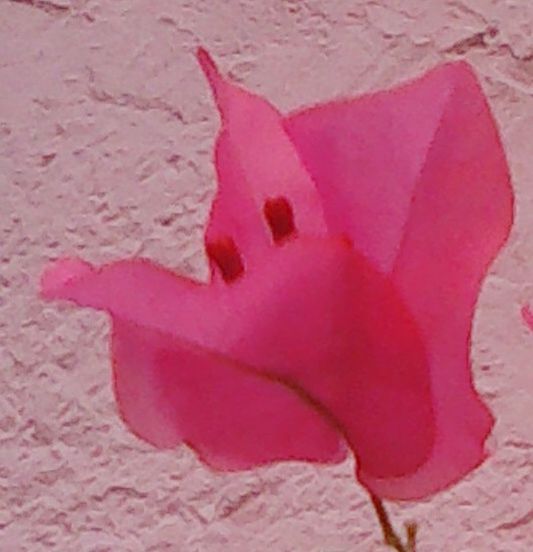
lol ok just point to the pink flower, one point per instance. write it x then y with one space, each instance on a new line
348 243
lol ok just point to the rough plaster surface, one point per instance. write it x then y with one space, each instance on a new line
106 134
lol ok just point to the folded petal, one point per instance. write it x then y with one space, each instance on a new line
316 317
256 163
169 391
365 155
424 191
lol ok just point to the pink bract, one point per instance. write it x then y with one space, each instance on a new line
348 243
527 316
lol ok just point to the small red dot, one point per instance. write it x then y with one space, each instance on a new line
226 256
280 218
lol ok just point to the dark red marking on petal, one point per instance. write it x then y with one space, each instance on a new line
280 218
226 256
255 161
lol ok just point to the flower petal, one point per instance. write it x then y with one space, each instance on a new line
425 193
317 317
256 162
169 391
364 156
527 316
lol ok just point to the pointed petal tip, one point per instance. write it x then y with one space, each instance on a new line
210 70
60 273
206 61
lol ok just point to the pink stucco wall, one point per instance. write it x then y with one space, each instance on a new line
106 133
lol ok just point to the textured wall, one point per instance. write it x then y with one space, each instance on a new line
106 133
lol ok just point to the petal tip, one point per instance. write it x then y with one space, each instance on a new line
527 316
60 273
210 70
206 61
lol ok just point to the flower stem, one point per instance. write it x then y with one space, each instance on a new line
389 535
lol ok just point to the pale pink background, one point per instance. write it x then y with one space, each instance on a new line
106 134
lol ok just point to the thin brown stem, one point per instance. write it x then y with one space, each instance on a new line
411 529
389 535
